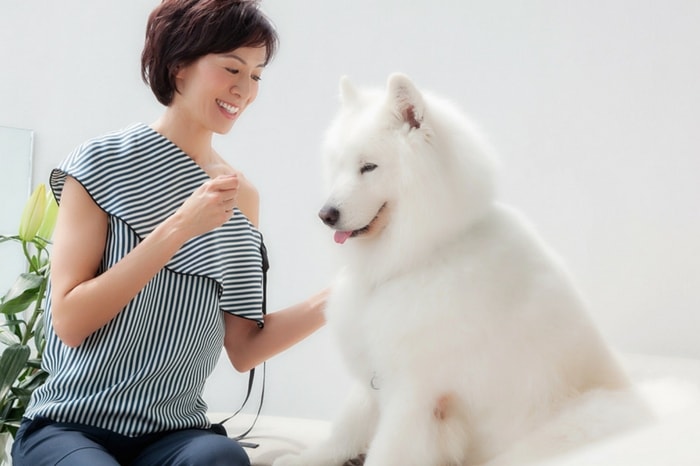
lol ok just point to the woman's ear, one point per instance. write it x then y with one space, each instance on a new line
177 71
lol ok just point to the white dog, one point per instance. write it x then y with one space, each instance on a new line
466 336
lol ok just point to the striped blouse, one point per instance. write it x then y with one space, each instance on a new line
145 370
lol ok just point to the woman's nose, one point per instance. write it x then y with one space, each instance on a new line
241 89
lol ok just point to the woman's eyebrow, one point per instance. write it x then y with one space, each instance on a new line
236 57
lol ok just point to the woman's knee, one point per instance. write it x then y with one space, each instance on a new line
194 448
226 452
45 443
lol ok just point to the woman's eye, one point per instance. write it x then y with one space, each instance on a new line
254 77
368 167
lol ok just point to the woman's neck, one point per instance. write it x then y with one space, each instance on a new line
191 138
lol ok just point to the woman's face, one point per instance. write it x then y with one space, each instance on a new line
216 88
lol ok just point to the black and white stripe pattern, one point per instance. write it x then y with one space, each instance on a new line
145 370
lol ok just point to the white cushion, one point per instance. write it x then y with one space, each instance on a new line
275 436
674 442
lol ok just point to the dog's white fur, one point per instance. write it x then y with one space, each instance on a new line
466 336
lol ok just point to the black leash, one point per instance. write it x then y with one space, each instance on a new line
251 377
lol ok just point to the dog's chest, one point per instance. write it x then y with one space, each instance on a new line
370 323
355 317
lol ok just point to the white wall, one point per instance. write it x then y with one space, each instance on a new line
15 181
594 106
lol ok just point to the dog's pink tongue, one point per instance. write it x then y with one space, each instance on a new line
341 236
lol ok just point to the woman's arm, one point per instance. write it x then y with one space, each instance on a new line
247 345
83 301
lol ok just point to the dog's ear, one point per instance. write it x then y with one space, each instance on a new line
348 93
405 99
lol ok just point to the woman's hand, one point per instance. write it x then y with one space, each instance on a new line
209 206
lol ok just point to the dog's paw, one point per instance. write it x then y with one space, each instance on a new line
359 461
288 460
298 460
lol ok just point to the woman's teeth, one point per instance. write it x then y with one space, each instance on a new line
228 107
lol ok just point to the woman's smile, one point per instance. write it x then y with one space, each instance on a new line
230 111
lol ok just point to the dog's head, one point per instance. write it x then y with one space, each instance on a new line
399 165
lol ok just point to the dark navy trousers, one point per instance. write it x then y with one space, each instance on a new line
42 442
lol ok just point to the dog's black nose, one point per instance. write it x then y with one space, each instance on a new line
329 215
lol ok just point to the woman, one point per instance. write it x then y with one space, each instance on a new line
157 261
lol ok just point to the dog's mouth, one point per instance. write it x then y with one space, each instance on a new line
341 236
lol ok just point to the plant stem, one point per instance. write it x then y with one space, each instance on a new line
27 255
35 267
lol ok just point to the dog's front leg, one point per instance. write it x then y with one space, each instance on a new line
350 434
418 429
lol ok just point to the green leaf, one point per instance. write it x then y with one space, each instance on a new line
34 363
12 423
23 395
34 380
4 238
8 338
14 324
12 361
24 291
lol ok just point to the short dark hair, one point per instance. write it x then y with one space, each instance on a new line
179 32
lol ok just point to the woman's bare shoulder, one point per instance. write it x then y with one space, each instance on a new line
248 199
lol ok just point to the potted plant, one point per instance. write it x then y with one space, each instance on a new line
21 325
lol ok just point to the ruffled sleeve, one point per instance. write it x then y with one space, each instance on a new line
141 178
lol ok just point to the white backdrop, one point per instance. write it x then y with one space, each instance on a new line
594 107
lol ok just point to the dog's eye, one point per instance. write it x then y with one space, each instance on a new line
368 167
